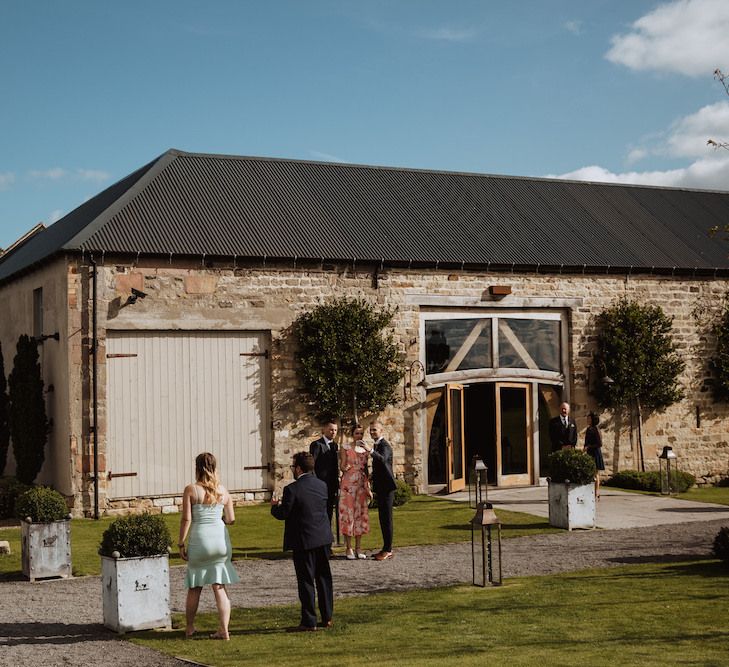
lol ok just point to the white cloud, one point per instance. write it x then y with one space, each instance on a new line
6 180
575 27
707 173
448 34
636 155
327 157
54 174
55 215
58 173
685 36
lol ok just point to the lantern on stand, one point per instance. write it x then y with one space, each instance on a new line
667 461
486 546
477 490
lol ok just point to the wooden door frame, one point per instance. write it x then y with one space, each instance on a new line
452 482
525 479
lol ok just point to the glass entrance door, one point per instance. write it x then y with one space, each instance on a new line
513 434
455 438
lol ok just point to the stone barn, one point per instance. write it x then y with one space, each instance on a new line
163 310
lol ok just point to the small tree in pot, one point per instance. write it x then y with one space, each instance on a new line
572 489
135 573
45 533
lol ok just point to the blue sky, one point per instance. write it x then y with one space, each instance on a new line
615 90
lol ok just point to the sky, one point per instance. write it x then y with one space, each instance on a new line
603 90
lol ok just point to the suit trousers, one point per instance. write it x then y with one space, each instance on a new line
385 502
314 577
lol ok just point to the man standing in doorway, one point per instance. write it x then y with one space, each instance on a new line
563 430
326 463
383 484
308 534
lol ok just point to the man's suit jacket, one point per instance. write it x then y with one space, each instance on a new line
561 436
326 464
304 509
383 479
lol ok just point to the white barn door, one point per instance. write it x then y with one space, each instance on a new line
172 395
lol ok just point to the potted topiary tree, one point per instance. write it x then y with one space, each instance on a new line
135 573
45 532
571 489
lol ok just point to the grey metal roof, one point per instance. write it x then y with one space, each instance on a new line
248 208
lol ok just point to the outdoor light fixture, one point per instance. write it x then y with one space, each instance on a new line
43 337
136 294
477 487
667 461
485 553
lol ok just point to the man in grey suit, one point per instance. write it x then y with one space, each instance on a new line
383 484
309 535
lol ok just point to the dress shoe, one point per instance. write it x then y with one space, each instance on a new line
383 555
302 628
326 626
350 555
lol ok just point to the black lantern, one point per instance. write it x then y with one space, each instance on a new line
477 490
485 552
667 461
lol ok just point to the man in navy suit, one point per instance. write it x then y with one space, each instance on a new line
326 463
383 483
563 430
308 534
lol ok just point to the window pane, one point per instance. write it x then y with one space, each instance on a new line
452 345
529 344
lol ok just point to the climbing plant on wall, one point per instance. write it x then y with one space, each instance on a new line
348 363
28 421
4 427
637 360
720 363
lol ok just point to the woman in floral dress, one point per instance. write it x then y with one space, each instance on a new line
354 493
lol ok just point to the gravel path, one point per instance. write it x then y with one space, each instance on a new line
58 622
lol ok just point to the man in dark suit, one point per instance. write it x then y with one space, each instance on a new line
326 463
309 535
383 484
563 430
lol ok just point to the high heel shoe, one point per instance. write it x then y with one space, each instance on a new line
350 555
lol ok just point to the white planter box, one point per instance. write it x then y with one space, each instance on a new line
571 506
136 593
46 549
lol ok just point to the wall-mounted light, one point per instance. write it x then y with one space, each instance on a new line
499 291
136 294
44 337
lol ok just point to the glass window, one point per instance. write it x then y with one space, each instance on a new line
453 345
531 344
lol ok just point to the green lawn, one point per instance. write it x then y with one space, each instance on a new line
644 615
256 534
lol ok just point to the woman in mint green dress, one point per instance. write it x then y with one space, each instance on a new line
206 510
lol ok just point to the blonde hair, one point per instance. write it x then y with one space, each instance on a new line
206 476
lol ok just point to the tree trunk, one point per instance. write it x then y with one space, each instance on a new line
640 435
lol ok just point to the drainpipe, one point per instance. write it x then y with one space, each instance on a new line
94 395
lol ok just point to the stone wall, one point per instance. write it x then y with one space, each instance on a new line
188 295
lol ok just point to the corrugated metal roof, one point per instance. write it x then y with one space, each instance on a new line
248 207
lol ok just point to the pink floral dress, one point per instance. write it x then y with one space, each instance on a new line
354 517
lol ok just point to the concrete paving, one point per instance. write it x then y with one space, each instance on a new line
615 509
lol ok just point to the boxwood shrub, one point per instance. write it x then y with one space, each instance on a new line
403 494
136 535
41 504
721 544
571 465
650 480
10 489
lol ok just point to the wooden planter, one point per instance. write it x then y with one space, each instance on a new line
136 593
46 549
571 505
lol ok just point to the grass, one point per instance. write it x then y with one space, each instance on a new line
636 615
256 534
704 494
